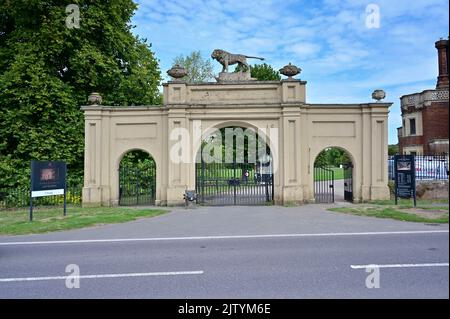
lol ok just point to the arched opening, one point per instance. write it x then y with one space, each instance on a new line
137 179
234 166
333 176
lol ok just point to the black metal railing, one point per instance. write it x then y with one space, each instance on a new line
222 184
137 186
323 185
20 197
348 182
428 167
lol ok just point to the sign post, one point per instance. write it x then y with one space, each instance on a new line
31 192
405 177
48 178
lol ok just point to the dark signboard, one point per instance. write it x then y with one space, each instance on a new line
48 178
405 178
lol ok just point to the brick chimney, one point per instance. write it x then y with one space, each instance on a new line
442 47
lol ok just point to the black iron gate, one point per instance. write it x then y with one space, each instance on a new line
137 186
348 182
223 184
323 185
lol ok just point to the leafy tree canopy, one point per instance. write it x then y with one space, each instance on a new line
198 69
393 149
262 72
333 157
47 70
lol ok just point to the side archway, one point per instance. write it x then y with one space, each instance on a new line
137 178
333 175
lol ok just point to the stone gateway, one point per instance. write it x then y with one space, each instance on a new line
295 132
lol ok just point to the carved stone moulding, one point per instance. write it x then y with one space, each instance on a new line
412 100
234 77
419 100
439 95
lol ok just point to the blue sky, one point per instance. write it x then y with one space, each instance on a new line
342 60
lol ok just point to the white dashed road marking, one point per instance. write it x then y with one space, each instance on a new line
145 274
400 265
89 241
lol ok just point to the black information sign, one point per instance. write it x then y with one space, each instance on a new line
405 177
48 178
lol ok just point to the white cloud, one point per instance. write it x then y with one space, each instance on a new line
342 60
305 49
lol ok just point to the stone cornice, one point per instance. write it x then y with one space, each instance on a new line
121 108
248 83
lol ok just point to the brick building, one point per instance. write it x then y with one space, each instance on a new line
424 129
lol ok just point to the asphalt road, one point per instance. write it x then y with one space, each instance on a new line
314 255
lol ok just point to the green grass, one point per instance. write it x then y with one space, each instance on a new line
224 173
389 212
15 222
408 203
338 174
290 204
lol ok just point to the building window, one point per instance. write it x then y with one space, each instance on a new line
413 153
412 126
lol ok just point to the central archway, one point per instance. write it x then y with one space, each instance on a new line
234 166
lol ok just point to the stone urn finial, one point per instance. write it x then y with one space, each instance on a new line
378 95
290 70
95 98
177 72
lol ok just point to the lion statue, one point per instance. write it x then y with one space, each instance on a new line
225 58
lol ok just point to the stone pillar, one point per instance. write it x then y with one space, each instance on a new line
366 156
290 159
97 185
293 91
175 92
292 96
442 47
175 95
92 192
379 189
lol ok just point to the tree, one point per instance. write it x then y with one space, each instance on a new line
321 160
262 72
47 70
332 157
198 69
393 149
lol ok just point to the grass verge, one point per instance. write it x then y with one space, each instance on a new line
409 202
15 222
338 174
381 211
